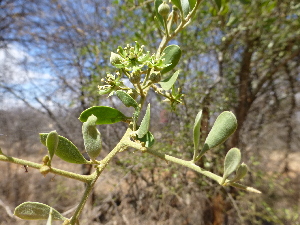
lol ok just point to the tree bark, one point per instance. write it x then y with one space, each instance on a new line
245 97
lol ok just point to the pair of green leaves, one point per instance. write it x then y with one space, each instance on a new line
37 211
224 126
231 164
97 115
108 115
65 150
171 55
143 132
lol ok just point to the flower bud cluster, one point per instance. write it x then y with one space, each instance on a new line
135 62
112 83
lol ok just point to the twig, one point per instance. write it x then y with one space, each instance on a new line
7 209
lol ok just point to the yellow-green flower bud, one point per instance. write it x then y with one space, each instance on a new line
66 222
164 9
175 8
115 58
45 170
46 159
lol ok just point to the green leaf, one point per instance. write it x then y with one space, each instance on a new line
232 161
91 137
177 3
171 54
232 20
148 139
121 51
66 150
185 7
245 2
52 143
240 173
144 127
224 126
225 9
36 211
192 4
168 83
218 3
127 100
157 3
104 114
196 131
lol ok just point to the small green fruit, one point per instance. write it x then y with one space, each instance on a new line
135 78
164 9
155 77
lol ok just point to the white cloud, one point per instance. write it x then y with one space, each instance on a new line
15 73
14 69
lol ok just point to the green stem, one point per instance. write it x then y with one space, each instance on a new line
75 176
121 146
169 25
166 26
83 200
143 93
198 169
183 23
146 77
139 87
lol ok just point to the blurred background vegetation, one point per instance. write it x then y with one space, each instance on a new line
241 56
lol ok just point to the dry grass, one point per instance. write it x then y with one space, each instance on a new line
134 194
